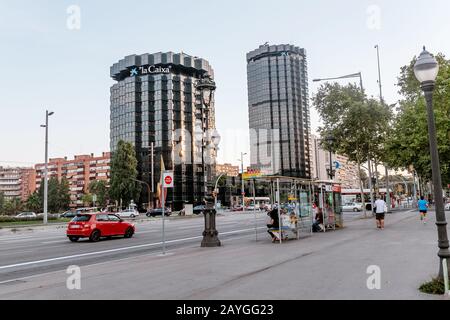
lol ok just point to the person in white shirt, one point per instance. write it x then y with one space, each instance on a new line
380 209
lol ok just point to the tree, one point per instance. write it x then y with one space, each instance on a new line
2 202
100 189
358 124
123 188
34 203
408 144
87 199
12 206
58 194
63 195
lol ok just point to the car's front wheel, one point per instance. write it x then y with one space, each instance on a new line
132 216
355 210
129 233
74 239
95 236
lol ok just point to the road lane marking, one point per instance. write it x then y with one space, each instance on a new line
116 260
114 250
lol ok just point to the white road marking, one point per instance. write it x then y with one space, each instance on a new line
114 250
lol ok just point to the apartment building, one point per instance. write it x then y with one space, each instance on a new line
228 169
79 172
10 182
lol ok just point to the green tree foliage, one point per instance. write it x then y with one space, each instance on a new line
358 124
12 207
2 201
34 203
408 143
123 169
87 199
58 194
100 189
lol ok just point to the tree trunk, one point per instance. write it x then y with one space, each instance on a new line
362 189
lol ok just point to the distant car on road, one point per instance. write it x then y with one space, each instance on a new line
353 206
199 209
97 225
237 208
447 206
73 212
252 207
26 215
158 212
128 213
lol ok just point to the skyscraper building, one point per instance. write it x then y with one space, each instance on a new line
278 109
155 102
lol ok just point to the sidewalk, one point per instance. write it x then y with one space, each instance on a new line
329 265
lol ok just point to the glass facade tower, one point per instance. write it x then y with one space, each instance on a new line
278 108
154 101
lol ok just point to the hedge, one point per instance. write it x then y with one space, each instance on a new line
14 219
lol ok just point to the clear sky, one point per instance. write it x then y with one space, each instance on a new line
45 64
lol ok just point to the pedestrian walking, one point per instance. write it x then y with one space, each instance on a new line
380 210
423 209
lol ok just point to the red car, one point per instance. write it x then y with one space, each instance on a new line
97 225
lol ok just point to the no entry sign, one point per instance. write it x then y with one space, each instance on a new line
168 179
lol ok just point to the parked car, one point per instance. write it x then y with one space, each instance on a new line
97 225
353 206
251 207
447 206
237 208
73 212
26 215
199 209
128 213
158 212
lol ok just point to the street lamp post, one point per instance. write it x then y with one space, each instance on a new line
331 172
206 86
148 191
47 114
242 179
426 70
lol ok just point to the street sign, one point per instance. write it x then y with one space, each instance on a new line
168 179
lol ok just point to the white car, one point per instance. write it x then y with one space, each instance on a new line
128 213
447 206
354 206
26 215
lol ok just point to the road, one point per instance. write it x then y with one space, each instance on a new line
331 265
33 251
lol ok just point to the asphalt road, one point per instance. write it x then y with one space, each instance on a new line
33 251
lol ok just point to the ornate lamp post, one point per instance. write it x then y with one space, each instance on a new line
426 70
206 86
331 172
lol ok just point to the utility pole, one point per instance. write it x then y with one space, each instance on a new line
47 114
152 165
388 195
242 179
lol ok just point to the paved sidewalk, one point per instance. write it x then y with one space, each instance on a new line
330 265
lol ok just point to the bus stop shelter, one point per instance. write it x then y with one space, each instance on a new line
296 199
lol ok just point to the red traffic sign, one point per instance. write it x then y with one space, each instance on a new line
168 179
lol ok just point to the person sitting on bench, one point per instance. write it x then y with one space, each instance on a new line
274 222
318 223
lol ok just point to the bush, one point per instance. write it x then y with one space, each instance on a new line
435 286
14 219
